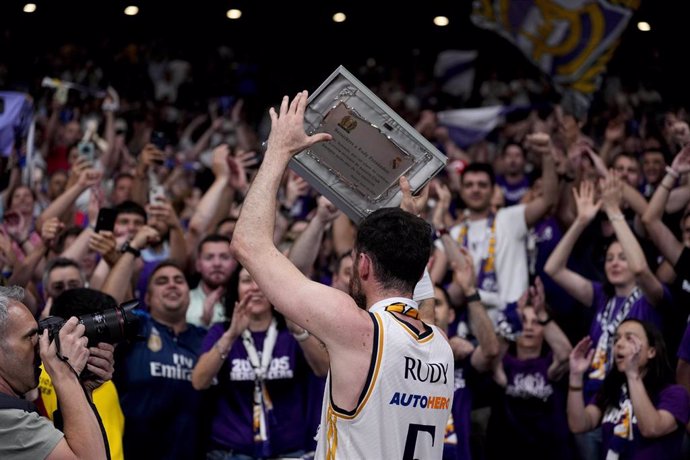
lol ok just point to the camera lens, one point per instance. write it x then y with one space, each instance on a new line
112 325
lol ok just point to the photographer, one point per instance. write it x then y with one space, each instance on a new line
24 433
78 302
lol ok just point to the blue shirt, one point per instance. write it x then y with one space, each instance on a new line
153 378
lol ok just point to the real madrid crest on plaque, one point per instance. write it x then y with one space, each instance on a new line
154 343
348 123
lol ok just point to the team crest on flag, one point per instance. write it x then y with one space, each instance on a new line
570 40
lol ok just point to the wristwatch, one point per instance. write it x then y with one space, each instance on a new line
546 321
132 250
440 232
473 298
302 336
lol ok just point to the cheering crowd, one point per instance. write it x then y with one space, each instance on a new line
559 272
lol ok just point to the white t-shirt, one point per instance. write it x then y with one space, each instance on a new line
512 274
196 308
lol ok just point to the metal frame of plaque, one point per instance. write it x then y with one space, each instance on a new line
372 147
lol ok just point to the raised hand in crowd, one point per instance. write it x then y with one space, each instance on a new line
681 162
440 216
208 367
215 204
31 267
86 177
150 158
89 177
587 208
208 308
463 272
238 164
631 197
79 165
580 359
663 238
295 187
96 202
326 212
611 193
118 283
615 131
680 132
613 137
219 161
163 218
8 258
485 354
541 144
105 244
50 231
414 204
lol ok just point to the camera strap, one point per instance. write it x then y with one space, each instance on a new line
58 353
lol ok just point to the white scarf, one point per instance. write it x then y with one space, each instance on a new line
262 402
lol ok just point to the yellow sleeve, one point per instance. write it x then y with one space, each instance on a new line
47 393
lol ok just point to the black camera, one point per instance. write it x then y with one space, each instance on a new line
112 325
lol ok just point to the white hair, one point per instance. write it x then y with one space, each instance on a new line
8 293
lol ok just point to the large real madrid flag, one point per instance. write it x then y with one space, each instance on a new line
570 40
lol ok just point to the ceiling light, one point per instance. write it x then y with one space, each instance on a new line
441 21
234 14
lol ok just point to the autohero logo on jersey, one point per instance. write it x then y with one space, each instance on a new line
419 371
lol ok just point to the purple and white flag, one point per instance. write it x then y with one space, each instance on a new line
454 69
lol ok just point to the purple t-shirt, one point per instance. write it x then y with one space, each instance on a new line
457 440
531 415
684 349
513 193
287 385
640 309
674 399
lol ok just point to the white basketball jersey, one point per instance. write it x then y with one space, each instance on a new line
405 404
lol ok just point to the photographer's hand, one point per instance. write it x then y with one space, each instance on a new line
83 438
73 351
101 365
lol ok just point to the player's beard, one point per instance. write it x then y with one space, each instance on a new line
355 289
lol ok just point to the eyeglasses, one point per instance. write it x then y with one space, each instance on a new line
61 286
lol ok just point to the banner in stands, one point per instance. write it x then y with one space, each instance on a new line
572 41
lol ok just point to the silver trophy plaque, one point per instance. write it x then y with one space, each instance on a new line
372 147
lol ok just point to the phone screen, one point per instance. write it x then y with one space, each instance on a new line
156 191
87 150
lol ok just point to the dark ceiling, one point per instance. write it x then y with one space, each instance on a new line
297 43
